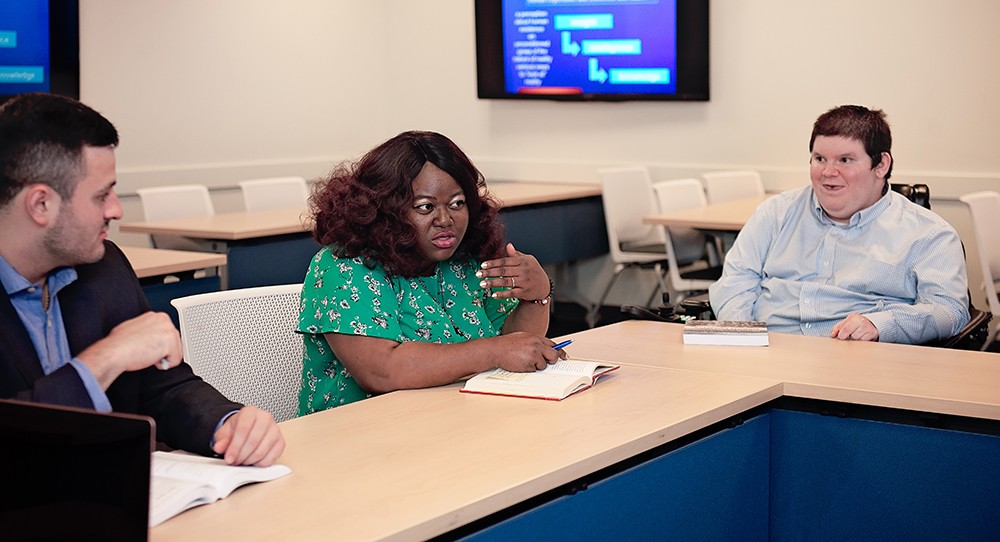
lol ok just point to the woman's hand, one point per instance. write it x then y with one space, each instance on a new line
523 352
519 272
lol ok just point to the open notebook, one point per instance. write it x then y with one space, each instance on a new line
70 473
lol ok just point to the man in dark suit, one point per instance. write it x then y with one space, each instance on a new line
75 327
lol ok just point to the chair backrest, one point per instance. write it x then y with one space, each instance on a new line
917 193
684 245
688 244
274 193
729 185
176 201
243 342
627 193
984 208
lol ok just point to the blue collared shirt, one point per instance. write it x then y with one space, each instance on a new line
898 264
46 329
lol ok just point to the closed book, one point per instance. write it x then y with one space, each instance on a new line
725 332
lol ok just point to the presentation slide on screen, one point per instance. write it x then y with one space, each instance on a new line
590 47
24 46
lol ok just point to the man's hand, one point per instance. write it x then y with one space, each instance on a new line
855 328
147 339
249 437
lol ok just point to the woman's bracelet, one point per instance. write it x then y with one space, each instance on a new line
545 300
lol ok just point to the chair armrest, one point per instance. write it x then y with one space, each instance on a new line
697 306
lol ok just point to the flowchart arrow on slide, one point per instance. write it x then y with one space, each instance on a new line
569 47
595 72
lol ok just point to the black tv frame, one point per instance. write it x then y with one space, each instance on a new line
692 58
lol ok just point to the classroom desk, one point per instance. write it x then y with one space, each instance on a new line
628 457
275 246
262 247
153 262
151 265
728 216
557 223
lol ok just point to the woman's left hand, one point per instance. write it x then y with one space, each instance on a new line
519 272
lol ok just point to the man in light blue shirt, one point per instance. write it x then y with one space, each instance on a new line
846 257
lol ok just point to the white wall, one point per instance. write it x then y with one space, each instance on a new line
216 91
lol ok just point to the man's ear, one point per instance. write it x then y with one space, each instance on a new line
41 203
883 167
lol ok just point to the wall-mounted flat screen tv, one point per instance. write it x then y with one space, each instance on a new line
39 47
611 50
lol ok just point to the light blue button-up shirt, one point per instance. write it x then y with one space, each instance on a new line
898 264
46 328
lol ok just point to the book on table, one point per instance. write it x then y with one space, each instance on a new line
556 382
725 332
181 481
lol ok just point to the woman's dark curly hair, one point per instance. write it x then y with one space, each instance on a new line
361 207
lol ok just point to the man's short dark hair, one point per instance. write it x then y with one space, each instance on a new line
860 123
42 137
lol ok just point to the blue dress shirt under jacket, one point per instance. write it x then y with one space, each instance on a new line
46 328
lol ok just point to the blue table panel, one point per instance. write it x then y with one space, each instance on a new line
558 232
787 475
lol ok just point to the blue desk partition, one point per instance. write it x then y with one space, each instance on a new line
785 475
159 295
848 479
560 231
266 261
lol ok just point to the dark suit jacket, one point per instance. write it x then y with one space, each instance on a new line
186 408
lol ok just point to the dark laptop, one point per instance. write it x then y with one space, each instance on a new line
73 474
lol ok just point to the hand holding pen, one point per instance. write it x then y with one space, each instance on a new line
563 344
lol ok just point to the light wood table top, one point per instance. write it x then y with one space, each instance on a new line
254 224
514 193
889 375
414 464
725 216
228 226
151 262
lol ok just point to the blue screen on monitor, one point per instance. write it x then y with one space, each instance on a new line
592 50
25 64
590 47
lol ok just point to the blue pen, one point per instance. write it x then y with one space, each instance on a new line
563 344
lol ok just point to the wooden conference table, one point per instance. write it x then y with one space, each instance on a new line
728 216
274 246
663 447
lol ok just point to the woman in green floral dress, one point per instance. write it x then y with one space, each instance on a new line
414 286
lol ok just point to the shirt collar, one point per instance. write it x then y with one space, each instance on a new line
860 218
13 282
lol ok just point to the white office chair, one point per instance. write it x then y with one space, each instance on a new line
243 342
176 201
627 193
984 208
729 185
687 247
274 193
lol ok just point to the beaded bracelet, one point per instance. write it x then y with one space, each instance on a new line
545 300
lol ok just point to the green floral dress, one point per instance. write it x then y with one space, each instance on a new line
342 295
